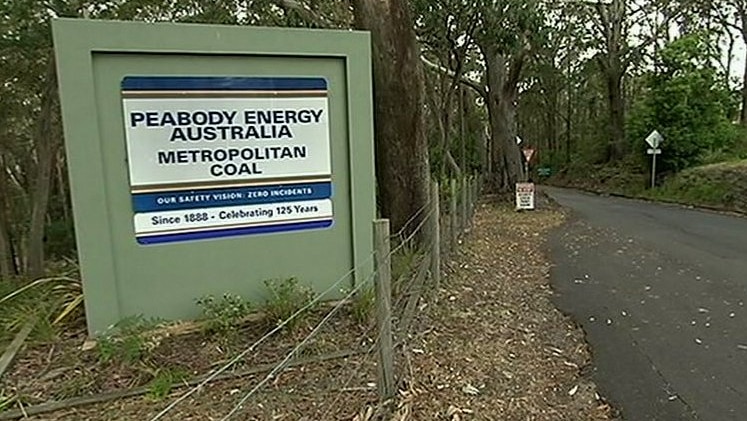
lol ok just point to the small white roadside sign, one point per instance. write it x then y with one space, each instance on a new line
654 139
524 196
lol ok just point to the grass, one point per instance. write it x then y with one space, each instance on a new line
721 185
52 301
287 296
161 385
699 192
224 316
129 340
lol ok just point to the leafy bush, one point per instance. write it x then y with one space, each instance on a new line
688 103
287 297
130 340
224 316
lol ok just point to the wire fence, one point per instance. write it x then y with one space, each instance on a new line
411 264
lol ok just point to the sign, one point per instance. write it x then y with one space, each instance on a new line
654 139
518 140
206 159
544 171
212 157
524 196
528 153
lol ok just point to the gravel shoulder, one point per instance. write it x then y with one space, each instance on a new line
490 344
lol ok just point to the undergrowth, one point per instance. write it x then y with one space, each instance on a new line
223 317
287 297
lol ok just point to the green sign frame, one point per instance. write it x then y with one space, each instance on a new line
122 277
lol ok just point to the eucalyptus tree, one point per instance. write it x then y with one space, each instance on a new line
732 16
402 158
621 32
508 31
504 34
32 134
445 29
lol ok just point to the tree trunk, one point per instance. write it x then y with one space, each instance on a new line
506 156
616 100
45 152
7 268
402 165
743 115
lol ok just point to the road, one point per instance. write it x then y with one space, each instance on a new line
660 291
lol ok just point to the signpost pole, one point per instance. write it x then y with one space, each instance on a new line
654 140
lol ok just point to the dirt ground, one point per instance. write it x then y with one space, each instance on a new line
493 346
487 344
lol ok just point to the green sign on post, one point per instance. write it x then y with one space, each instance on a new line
206 159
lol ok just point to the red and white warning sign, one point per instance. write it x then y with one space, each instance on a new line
528 153
525 196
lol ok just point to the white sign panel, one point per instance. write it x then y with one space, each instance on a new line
654 139
653 151
201 149
525 196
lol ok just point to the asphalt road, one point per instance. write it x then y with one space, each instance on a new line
660 291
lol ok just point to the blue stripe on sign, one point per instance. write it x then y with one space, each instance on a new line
232 232
233 196
166 83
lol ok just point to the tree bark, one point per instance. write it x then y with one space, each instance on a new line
616 147
7 268
402 163
612 17
46 145
502 80
743 111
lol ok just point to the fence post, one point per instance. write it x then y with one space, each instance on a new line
465 202
470 198
435 236
473 195
453 215
383 266
476 192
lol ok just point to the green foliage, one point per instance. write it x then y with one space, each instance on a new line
60 239
51 300
692 191
17 308
130 340
224 316
404 261
6 400
287 297
687 102
722 185
161 385
362 305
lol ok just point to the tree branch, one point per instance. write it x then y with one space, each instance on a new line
463 80
307 13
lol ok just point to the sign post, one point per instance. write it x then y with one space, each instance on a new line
654 140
